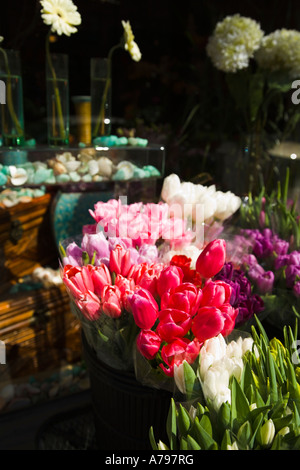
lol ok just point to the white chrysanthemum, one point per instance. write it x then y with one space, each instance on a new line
280 50
1 39
130 45
233 43
61 15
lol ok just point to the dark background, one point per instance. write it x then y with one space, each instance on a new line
157 95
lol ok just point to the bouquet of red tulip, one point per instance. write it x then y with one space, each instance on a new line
190 307
170 309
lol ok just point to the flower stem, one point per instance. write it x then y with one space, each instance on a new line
10 104
100 121
56 91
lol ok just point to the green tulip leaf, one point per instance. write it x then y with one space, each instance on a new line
184 422
152 439
192 444
239 404
172 425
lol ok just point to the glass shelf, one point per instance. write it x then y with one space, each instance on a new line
76 169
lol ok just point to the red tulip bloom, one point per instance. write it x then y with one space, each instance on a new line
173 324
148 343
119 261
170 277
215 293
212 258
89 305
186 297
208 322
176 352
111 301
143 307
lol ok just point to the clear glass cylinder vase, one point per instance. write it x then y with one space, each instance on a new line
100 96
58 114
11 99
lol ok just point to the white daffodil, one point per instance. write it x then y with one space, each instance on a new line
130 45
61 15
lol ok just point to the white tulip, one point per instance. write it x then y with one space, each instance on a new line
179 377
171 186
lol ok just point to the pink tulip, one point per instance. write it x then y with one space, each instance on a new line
173 324
170 277
90 306
215 293
119 262
101 277
148 343
176 352
186 297
145 275
211 259
208 322
111 301
229 314
126 287
143 307
104 210
78 280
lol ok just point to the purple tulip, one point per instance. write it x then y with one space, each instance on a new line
265 282
281 247
263 248
248 307
255 272
294 258
281 261
73 255
290 273
96 244
296 289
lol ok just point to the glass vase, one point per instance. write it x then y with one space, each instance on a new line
58 114
100 96
12 114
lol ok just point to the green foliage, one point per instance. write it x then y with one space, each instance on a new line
265 404
279 216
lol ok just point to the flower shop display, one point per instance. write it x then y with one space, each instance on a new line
63 18
242 395
143 317
101 82
259 70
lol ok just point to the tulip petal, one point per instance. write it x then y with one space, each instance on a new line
208 322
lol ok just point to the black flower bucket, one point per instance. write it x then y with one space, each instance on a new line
124 409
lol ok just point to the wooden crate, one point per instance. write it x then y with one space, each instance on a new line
26 239
39 331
